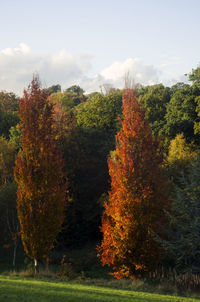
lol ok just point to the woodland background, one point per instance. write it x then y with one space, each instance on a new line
88 125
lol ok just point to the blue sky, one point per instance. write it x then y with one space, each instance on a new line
90 43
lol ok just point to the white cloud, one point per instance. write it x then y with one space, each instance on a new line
115 74
137 70
17 66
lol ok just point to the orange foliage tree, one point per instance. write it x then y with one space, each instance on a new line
42 185
137 198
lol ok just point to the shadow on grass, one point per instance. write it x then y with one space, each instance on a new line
15 290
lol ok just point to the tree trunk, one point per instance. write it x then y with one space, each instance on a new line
36 266
47 264
14 253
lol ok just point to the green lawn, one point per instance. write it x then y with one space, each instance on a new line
15 289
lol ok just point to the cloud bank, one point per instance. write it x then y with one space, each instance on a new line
17 66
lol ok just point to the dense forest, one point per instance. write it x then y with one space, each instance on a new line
161 127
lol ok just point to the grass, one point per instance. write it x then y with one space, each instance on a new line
80 277
16 289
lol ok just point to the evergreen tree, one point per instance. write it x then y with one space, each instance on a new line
183 245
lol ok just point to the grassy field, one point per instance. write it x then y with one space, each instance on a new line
16 289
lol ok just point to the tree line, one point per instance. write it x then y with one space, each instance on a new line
148 192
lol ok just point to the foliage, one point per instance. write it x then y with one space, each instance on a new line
39 176
52 89
85 152
155 99
184 230
181 114
86 141
9 223
9 102
194 77
8 112
100 111
137 198
69 98
180 156
7 160
16 135
7 120
197 123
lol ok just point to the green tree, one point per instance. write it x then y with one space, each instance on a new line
7 120
100 111
155 99
70 97
194 77
9 223
7 160
9 102
181 113
86 142
184 228
53 89
8 112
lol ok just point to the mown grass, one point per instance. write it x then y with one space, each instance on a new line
15 289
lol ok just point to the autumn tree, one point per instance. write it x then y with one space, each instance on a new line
180 156
137 197
39 175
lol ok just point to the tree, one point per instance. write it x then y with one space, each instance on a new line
69 98
194 76
100 111
181 114
86 142
183 231
9 102
39 175
7 160
53 89
137 198
9 223
8 112
7 120
155 99
86 150
180 156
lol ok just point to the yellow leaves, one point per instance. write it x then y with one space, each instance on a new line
179 150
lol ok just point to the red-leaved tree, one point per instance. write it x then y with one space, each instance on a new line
137 198
42 185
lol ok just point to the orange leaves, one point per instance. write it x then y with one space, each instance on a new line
39 174
137 196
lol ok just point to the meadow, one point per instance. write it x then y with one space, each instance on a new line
17 289
80 278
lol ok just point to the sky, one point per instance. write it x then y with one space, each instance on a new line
95 42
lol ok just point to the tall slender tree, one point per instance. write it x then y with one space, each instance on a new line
137 197
41 194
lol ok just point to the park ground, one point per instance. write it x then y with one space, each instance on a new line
79 278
